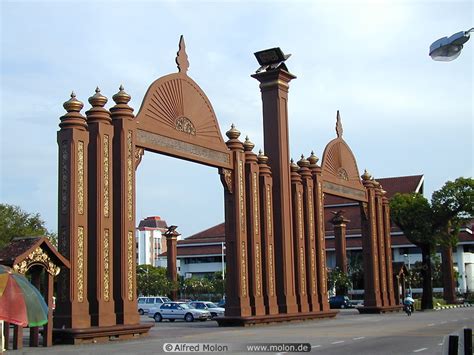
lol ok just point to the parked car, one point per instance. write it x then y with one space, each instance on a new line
178 310
340 302
145 303
215 310
221 303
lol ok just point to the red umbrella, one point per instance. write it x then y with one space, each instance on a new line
20 302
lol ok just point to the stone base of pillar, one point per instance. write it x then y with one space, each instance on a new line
276 318
381 309
100 334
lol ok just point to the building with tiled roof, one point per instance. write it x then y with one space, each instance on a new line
204 253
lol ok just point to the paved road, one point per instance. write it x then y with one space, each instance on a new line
348 333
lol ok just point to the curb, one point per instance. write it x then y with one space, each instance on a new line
438 308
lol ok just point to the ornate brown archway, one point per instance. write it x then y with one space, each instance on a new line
341 178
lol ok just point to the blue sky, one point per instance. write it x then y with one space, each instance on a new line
403 114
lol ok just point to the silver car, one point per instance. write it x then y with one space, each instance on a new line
178 310
215 310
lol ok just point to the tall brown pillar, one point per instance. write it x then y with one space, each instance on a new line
299 239
100 271
268 246
320 233
340 225
274 85
309 227
253 230
73 138
237 281
381 245
369 246
171 257
124 252
388 250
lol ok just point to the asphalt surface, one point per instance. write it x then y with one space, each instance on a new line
349 333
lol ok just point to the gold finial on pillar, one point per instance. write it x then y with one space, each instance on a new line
98 100
313 159
293 166
248 145
233 133
366 176
73 104
303 162
182 57
121 97
262 158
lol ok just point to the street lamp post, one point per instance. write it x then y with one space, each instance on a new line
407 256
223 267
447 49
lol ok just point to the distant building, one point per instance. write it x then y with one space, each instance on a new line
203 253
151 241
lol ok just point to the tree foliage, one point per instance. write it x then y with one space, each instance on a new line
339 281
153 281
14 222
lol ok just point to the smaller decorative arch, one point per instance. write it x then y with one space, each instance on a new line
339 169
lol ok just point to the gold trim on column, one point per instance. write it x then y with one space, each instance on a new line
241 196
303 272
300 216
64 177
258 269
80 177
130 265
106 265
129 176
313 272
106 175
243 272
270 264
80 264
311 217
256 216
37 256
268 198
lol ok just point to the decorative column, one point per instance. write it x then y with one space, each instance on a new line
381 244
171 256
237 280
340 224
268 246
388 249
73 138
299 239
320 233
253 230
124 249
274 85
309 227
100 250
369 246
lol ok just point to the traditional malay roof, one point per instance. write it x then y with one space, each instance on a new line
154 222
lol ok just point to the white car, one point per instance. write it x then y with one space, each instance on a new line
145 303
178 310
215 310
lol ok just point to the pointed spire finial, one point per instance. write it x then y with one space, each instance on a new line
182 57
339 129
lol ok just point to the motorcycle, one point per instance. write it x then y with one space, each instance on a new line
408 309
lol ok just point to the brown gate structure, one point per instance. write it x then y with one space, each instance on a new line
274 211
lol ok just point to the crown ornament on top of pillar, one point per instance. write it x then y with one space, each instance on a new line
313 160
98 100
366 176
121 97
233 133
262 158
73 104
293 166
303 162
248 145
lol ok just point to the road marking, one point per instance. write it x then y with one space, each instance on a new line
430 325
417 351
443 322
358 338
440 344
338 342
316 346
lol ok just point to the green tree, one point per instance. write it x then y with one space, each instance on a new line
453 207
14 222
412 213
339 280
153 281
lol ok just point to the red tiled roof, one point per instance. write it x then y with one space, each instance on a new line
152 222
213 232
402 184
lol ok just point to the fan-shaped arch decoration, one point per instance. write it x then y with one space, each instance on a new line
177 118
339 169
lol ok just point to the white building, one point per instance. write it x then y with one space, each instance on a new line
151 241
